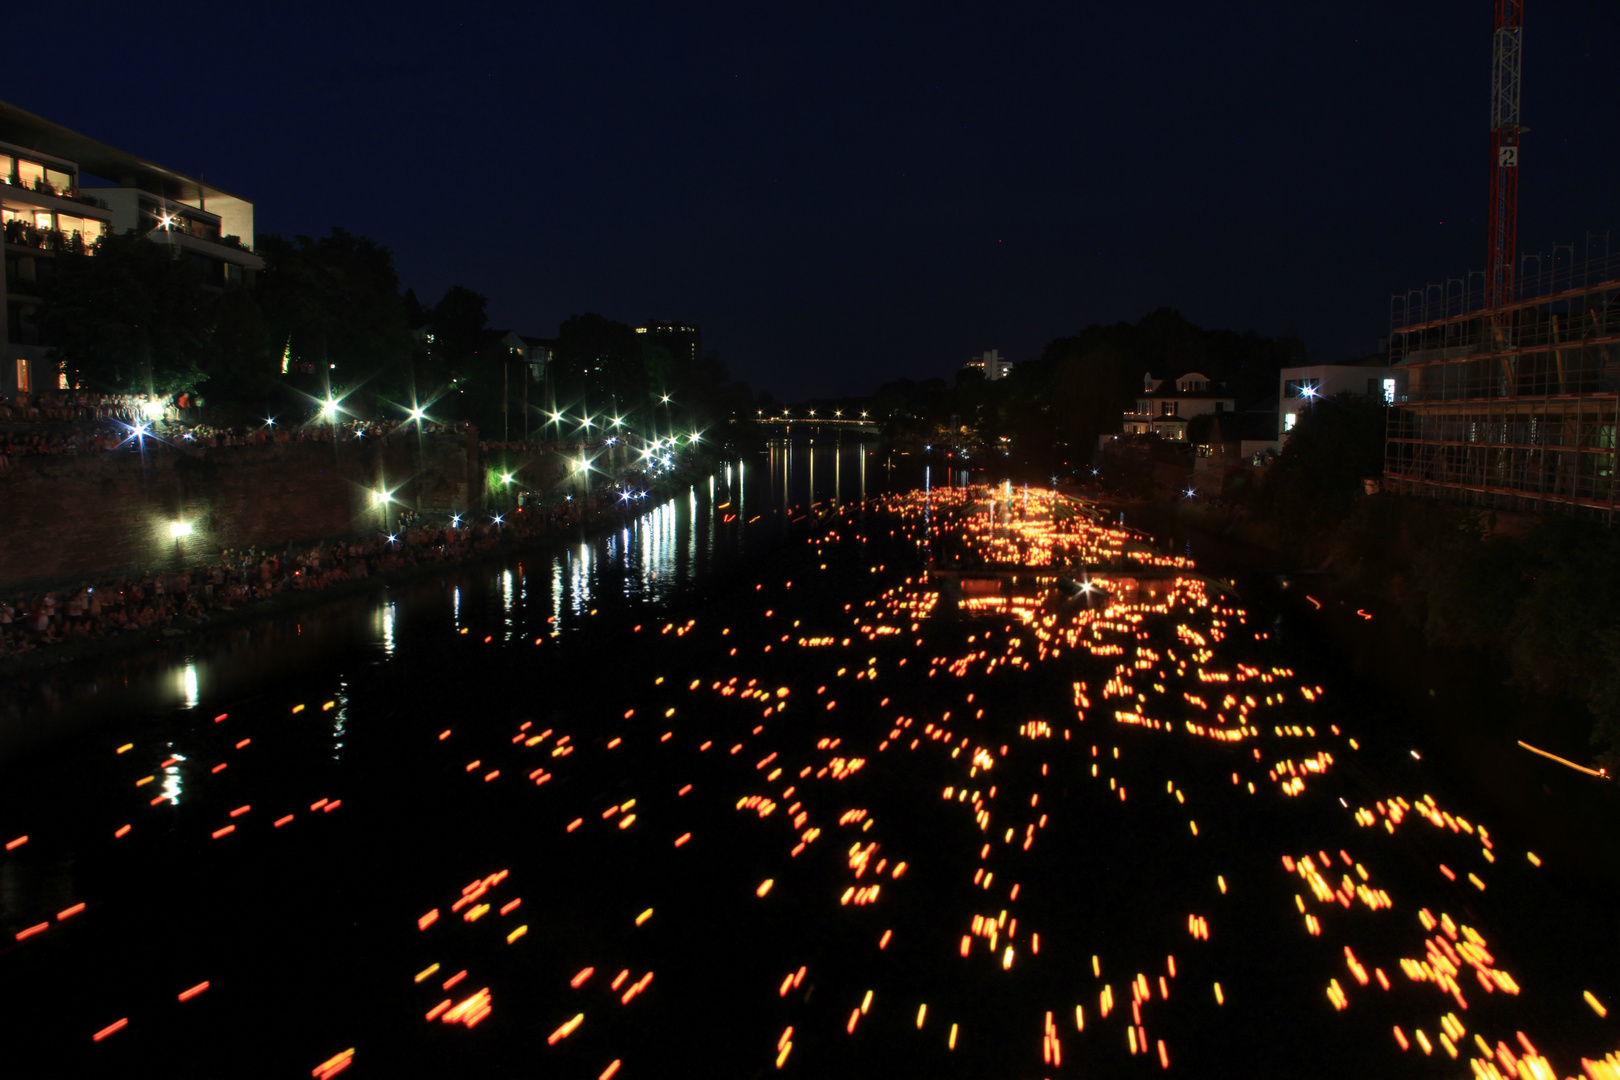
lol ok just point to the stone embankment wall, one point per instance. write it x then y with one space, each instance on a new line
62 517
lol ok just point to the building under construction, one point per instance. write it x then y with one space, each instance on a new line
1505 395
1512 405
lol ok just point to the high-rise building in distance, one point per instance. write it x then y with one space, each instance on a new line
685 343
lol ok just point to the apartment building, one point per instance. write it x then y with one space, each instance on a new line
685 343
993 366
61 191
1299 388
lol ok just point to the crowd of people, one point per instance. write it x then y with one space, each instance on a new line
109 430
65 406
188 598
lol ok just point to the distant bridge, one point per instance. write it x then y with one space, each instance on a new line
816 424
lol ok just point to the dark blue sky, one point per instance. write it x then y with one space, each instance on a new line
842 196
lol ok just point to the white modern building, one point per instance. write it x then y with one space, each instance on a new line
60 191
1167 406
993 366
1299 387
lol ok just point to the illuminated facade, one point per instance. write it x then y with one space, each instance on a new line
1167 406
1299 387
60 191
1514 409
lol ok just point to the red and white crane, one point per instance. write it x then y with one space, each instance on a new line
1503 223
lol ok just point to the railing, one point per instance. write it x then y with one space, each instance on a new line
29 236
1537 275
40 187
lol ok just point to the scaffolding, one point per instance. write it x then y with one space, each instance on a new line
1513 411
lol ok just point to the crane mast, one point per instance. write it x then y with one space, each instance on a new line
1503 221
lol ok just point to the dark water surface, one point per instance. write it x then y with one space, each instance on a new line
435 744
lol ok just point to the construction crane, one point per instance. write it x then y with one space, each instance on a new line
1503 223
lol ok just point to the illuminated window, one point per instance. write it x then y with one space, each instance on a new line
29 173
22 376
89 229
1167 408
1389 391
1289 420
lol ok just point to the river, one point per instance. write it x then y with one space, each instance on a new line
734 789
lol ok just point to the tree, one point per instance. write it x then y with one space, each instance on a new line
600 362
127 316
1317 480
465 358
335 301
238 362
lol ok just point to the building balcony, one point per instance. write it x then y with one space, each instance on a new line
43 194
22 235
226 249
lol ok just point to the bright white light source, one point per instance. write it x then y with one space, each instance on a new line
178 529
379 497
152 410
329 410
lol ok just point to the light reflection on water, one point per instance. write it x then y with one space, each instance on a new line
340 719
675 544
188 685
386 613
171 778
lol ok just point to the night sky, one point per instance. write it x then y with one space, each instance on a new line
841 196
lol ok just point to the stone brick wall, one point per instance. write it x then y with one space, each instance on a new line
62 517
